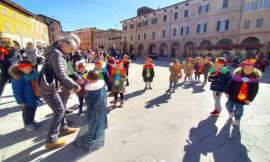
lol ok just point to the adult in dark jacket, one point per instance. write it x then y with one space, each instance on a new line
8 57
52 79
219 78
242 90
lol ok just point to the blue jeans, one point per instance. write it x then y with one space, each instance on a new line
236 108
173 84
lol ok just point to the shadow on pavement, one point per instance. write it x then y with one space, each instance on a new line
197 88
158 101
68 153
4 103
9 110
225 146
134 94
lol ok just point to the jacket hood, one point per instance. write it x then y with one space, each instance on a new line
256 73
15 73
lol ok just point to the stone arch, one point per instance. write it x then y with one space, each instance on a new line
131 49
152 49
225 42
140 50
205 43
250 41
163 49
189 48
175 49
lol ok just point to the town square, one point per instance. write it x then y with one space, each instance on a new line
173 81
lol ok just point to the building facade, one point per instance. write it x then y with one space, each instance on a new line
86 35
255 24
193 24
54 28
21 26
105 39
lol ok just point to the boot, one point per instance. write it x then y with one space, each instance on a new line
68 131
114 103
121 103
54 145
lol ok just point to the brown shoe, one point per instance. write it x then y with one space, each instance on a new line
54 145
68 131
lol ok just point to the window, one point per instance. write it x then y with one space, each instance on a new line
131 26
52 30
139 24
201 28
165 18
145 23
139 37
246 24
5 11
125 28
174 31
263 4
153 35
14 15
7 26
204 8
225 3
144 36
184 30
223 25
176 7
164 33
259 22
154 21
175 15
186 13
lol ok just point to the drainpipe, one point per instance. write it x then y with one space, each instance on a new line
240 20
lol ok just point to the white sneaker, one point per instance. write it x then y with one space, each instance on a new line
236 123
30 127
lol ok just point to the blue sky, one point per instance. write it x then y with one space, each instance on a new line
103 14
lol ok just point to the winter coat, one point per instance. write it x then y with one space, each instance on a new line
188 68
11 58
198 68
236 83
54 73
22 87
207 67
152 73
219 79
176 74
31 56
105 77
118 84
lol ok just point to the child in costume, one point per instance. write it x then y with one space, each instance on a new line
176 74
25 91
206 67
103 74
118 78
198 68
148 73
92 133
242 90
82 73
219 78
188 68
126 62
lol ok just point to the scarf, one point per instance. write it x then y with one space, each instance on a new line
33 79
3 52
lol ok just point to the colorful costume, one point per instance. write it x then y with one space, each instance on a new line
148 75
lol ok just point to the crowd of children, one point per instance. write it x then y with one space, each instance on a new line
110 75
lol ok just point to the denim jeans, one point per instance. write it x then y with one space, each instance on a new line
236 108
173 84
